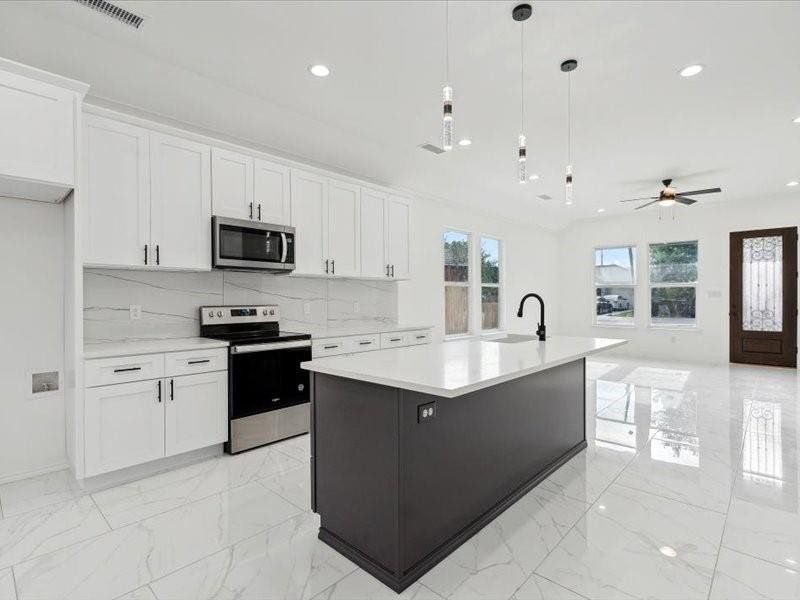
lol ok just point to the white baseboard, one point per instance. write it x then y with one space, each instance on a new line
19 476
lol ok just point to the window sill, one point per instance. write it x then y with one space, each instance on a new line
615 325
458 336
684 328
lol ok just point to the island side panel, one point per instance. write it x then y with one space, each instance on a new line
479 450
355 466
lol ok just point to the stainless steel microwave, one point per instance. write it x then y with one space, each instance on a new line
251 245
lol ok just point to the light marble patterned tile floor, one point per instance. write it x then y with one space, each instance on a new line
688 489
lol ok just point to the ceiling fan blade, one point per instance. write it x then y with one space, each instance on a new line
647 204
686 201
640 199
707 191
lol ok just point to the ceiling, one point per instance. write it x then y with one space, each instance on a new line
241 69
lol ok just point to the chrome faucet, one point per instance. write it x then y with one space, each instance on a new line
540 330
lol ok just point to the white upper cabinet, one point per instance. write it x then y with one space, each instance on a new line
116 170
232 184
180 202
271 192
37 143
309 217
398 240
372 226
343 229
196 411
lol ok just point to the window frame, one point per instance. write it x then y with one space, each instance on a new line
501 321
635 286
466 284
696 285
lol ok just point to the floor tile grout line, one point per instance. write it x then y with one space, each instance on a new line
554 583
742 440
761 558
102 514
663 497
14 581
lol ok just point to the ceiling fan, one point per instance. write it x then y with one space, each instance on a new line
669 196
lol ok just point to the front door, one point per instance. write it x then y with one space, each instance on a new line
763 297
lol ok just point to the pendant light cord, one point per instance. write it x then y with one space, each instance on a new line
522 74
447 41
569 117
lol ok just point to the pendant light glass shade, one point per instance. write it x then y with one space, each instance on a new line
522 159
447 117
568 185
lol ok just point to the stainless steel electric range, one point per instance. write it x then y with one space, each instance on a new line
268 392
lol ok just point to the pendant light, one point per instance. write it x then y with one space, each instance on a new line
521 13
568 66
447 90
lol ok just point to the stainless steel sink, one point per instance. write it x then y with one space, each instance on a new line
514 339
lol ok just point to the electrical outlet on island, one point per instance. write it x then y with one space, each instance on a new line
135 312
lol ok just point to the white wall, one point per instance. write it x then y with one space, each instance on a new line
31 329
710 225
530 259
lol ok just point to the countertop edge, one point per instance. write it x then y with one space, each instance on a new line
155 346
367 331
460 391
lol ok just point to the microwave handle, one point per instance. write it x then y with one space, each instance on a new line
285 247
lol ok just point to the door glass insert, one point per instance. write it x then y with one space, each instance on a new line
762 284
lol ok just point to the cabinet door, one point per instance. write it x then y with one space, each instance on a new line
37 121
271 196
116 172
180 202
398 244
232 184
309 217
196 411
124 425
343 218
372 236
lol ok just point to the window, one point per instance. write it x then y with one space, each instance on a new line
673 281
614 285
490 283
456 282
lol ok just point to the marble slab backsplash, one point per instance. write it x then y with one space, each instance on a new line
170 301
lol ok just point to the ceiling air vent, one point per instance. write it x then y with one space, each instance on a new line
113 11
431 148
544 197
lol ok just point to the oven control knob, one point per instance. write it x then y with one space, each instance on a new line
219 313
272 312
211 313
265 312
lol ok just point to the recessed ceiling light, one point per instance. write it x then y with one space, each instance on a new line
533 177
691 70
601 210
319 70
796 120
792 183
668 551
464 142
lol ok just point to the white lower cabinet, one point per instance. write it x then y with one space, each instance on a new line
124 425
128 424
350 344
196 412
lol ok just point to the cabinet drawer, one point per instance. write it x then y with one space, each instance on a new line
421 336
362 343
394 340
328 347
122 369
195 361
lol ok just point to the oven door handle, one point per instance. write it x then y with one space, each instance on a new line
284 247
248 348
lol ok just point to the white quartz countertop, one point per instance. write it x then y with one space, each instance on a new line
360 329
129 348
453 368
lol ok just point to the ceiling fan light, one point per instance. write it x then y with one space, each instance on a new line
666 202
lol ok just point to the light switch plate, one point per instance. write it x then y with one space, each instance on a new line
135 312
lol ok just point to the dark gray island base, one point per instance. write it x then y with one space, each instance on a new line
397 493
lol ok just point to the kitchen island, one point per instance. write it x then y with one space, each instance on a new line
414 450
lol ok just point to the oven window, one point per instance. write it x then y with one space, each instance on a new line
242 243
264 381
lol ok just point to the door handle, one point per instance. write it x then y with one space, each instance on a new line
127 369
331 347
259 212
159 391
392 270
145 253
251 210
364 343
172 390
158 255
396 339
326 266
284 247
199 362
387 270
333 267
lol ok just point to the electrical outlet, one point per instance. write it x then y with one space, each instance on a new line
426 412
307 310
135 312
356 307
